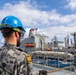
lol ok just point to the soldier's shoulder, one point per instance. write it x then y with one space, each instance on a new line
12 55
19 54
3 49
16 52
20 51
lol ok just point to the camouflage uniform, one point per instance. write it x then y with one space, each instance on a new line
13 61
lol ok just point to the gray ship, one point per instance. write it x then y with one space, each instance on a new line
49 56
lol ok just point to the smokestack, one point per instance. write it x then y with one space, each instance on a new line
74 34
66 41
75 40
71 41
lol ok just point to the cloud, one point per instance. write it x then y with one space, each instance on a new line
71 4
30 16
60 31
1 40
49 23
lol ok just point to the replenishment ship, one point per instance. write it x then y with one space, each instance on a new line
50 56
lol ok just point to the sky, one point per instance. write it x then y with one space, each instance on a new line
51 17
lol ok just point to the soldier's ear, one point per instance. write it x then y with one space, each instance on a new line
16 34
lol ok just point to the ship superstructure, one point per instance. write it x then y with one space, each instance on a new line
34 42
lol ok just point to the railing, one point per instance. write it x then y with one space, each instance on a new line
57 64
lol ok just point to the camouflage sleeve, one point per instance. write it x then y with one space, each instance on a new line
20 67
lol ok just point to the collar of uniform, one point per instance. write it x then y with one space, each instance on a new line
10 46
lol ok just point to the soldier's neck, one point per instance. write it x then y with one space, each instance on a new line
11 41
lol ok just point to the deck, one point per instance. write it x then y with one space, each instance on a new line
52 70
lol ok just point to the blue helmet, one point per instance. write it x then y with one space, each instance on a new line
11 22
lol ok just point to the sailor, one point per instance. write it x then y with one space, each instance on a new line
13 60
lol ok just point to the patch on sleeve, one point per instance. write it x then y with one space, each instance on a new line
29 60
